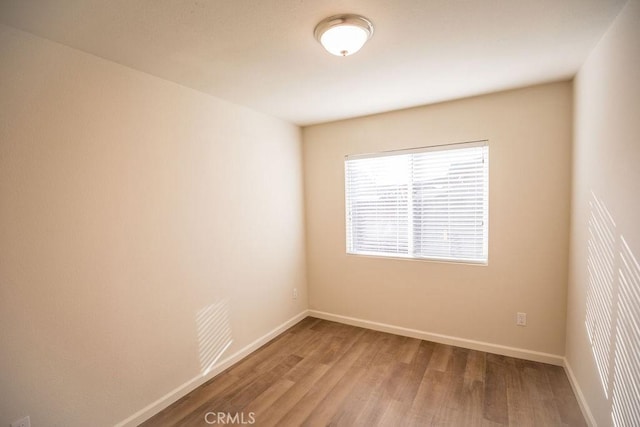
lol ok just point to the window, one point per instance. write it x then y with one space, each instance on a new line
422 203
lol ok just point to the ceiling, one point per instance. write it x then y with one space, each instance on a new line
262 53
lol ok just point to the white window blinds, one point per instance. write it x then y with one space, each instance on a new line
422 203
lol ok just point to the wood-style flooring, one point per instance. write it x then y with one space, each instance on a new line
321 373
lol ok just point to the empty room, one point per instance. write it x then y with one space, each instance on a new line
314 212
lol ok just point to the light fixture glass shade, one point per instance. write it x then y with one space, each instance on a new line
343 35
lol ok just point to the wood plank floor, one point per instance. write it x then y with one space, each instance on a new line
322 373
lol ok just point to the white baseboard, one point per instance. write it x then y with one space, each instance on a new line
584 407
182 390
520 353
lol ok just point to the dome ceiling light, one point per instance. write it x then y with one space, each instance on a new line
343 35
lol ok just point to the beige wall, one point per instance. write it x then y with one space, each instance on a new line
529 133
607 172
128 205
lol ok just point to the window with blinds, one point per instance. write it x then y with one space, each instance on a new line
422 203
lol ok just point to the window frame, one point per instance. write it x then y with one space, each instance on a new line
411 255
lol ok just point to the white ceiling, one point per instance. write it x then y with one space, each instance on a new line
262 53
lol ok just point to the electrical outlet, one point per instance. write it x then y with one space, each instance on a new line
22 422
521 319
295 293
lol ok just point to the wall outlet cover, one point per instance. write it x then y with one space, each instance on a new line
521 319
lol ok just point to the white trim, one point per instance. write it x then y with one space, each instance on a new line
582 401
520 353
402 151
182 390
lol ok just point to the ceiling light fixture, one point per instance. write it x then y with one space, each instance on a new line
343 35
